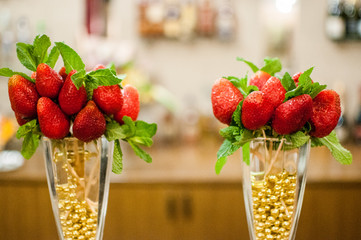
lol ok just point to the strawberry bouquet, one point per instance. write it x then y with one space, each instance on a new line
275 119
70 111
73 102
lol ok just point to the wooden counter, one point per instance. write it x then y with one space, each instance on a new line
195 163
179 197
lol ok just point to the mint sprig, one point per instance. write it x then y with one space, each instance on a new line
271 65
135 133
331 141
7 72
31 134
72 60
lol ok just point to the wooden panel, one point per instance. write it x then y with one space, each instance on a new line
218 213
137 212
181 211
331 211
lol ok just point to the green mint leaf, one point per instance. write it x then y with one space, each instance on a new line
315 142
305 79
297 140
287 82
250 64
251 88
227 148
7 72
341 154
117 165
90 85
115 131
140 152
112 67
316 89
144 129
246 136
272 66
79 78
30 144
72 60
53 57
25 55
236 116
240 83
230 132
220 163
145 141
31 134
41 45
31 126
246 153
105 77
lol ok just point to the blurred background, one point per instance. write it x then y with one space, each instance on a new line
173 51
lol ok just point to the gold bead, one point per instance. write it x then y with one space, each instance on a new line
277 223
274 212
261 210
257 217
271 219
264 217
290 201
260 235
272 178
286 225
267 224
267 231
273 198
274 229
269 236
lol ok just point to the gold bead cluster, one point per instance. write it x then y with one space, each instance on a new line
273 200
78 215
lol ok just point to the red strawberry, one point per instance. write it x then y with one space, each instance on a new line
53 122
99 66
108 98
274 91
62 73
33 75
130 106
89 124
326 113
257 110
292 115
48 81
72 100
21 119
259 79
225 98
23 96
296 77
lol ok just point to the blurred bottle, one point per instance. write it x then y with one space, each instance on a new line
172 25
188 19
226 21
359 19
351 19
206 18
357 125
335 21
